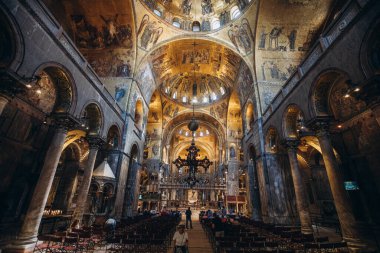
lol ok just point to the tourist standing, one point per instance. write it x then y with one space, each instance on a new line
188 218
181 240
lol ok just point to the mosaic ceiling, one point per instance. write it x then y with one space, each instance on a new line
127 41
195 72
211 14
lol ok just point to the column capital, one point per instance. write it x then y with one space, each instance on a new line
95 142
12 84
292 144
64 121
320 125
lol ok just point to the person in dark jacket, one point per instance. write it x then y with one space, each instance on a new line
188 218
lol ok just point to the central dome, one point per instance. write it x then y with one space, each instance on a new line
201 90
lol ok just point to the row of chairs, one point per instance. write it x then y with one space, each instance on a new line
249 236
153 236
144 235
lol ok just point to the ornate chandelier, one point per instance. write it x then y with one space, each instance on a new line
191 160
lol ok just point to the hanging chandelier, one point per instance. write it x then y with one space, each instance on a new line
191 160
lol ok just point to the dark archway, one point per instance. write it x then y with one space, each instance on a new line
93 119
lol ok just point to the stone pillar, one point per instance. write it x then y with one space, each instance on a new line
342 204
136 189
4 100
121 187
301 200
94 144
29 230
132 184
220 155
168 154
233 177
254 191
249 187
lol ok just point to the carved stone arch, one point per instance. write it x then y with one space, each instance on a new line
94 187
63 81
92 115
292 121
184 118
320 91
145 59
271 140
169 134
370 50
74 151
113 137
11 41
110 187
135 152
181 146
252 154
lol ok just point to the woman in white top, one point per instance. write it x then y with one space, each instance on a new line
181 240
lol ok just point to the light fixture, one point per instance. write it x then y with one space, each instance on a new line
352 88
29 82
38 91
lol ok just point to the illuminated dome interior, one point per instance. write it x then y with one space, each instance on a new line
199 90
195 72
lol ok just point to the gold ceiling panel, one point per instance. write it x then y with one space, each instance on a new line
195 56
213 68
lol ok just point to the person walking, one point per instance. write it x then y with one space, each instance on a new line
181 240
188 218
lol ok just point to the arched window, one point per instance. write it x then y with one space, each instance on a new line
157 12
196 26
215 24
176 22
235 12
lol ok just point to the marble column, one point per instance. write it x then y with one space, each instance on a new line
168 154
94 144
249 187
29 230
254 191
301 200
130 195
121 187
136 191
4 100
342 204
220 155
